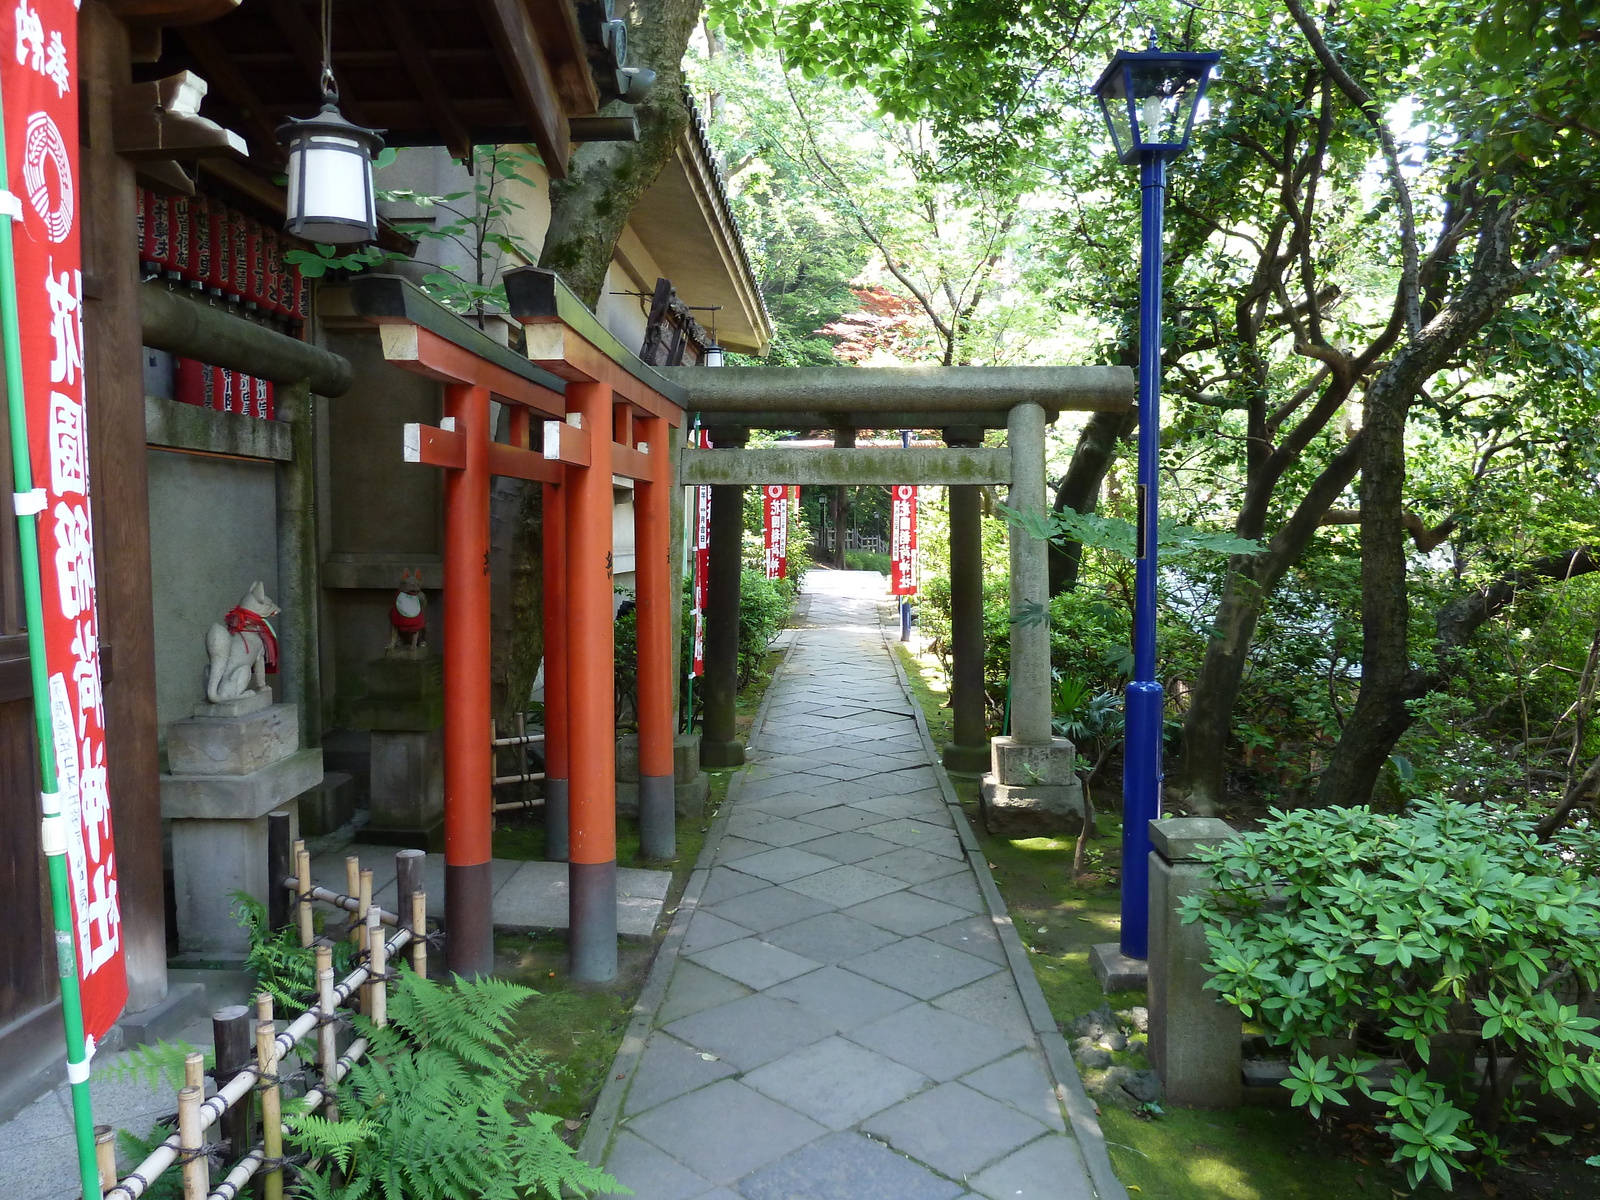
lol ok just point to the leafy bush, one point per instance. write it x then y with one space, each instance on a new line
433 1110
866 560
1437 938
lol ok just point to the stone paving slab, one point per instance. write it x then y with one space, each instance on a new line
834 1014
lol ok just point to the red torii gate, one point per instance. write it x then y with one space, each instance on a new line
602 426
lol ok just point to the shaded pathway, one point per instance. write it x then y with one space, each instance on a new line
835 1014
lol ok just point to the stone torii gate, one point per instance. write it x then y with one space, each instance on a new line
1030 770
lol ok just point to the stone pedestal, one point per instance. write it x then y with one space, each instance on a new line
1194 1036
227 772
690 785
404 708
1031 790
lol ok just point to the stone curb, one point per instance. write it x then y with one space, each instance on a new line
1081 1114
605 1117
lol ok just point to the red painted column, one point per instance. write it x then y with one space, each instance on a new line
556 743
591 698
657 665
468 766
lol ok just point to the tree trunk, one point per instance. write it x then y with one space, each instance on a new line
1080 489
590 208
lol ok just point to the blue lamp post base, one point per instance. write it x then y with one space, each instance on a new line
1141 804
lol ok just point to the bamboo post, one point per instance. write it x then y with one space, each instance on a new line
105 1153
271 1098
302 874
327 1044
280 865
352 888
230 1034
191 1146
364 909
408 866
419 930
377 1005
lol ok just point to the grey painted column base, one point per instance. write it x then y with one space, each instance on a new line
716 755
970 760
592 921
469 919
1194 1036
657 817
555 820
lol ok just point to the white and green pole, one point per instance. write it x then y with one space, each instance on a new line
55 828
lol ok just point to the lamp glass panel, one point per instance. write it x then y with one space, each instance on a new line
1115 109
336 179
1163 95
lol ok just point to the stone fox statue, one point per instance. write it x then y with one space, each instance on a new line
408 625
242 648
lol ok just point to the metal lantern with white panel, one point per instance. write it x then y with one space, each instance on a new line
1149 98
330 178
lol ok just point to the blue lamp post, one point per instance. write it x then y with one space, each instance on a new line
1148 98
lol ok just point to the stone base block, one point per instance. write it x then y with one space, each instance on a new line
967 760
1023 765
714 756
1031 811
328 806
688 798
250 702
240 797
1115 971
407 785
184 1004
232 745
211 860
405 691
685 757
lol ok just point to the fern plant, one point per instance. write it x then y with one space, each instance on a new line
433 1111
282 967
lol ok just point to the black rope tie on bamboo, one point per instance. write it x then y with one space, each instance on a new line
216 1153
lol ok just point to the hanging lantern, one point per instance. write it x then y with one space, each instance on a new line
711 356
330 178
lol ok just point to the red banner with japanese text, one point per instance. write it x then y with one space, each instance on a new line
775 528
701 545
903 541
40 84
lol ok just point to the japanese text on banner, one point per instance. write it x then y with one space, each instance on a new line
41 113
775 526
903 541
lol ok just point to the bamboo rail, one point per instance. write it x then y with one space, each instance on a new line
186 1147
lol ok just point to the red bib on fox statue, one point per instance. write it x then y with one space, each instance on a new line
242 620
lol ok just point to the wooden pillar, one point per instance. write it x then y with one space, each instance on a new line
468 765
968 749
591 693
114 398
657 664
556 748
839 511
719 745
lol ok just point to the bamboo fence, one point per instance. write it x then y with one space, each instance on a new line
248 1066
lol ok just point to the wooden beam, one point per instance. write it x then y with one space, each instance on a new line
434 446
631 463
291 21
514 36
522 464
219 69
415 56
777 464
564 352
425 353
566 443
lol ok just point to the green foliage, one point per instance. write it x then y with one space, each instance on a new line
433 1110
1174 541
316 263
1434 937
281 966
867 560
154 1064
135 1149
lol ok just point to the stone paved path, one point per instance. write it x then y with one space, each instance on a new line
839 1020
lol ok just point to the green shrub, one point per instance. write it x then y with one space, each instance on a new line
1436 937
434 1111
866 560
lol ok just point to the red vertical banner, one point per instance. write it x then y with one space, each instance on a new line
903 541
41 116
702 568
775 525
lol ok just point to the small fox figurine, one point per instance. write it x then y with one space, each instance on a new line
242 648
408 622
